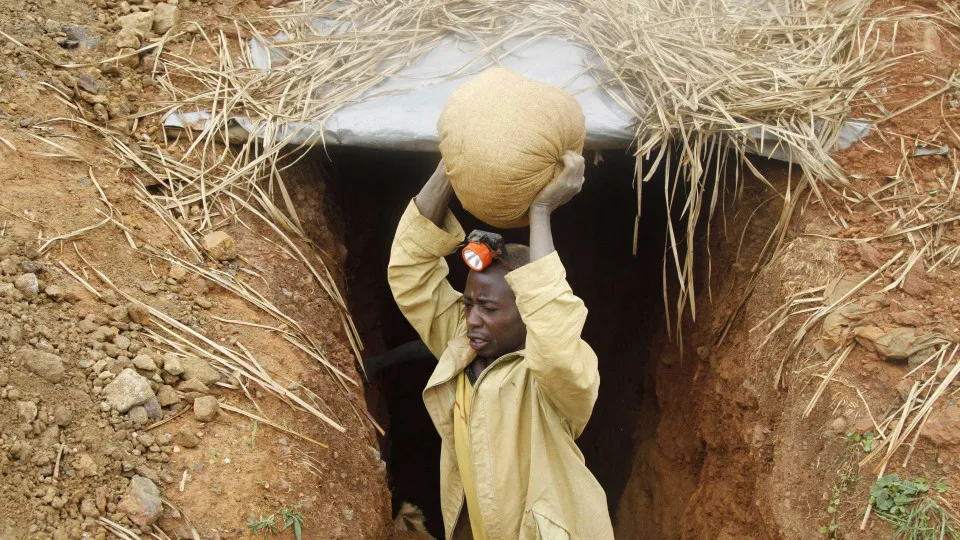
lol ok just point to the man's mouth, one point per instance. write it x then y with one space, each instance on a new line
477 343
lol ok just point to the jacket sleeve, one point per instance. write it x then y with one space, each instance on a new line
564 366
417 274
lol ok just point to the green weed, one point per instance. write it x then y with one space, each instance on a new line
865 440
292 518
263 526
912 507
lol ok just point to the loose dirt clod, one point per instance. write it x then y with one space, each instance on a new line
46 365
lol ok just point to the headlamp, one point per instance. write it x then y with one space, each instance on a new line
481 249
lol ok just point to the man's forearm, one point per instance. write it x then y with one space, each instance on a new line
433 199
541 235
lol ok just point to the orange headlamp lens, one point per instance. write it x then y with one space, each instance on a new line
477 256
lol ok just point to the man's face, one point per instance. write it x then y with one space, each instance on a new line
493 321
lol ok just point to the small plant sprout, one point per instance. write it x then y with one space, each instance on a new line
292 518
865 440
252 441
264 525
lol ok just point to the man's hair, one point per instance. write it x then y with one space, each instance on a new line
514 256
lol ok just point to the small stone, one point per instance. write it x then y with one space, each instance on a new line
128 38
145 363
122 342
172 364
206 408
46 365
219 245
165 17
142 502
63 415
139 415
26 411
128 390
119 314
348 514
177 272
186 438
195 368
193 385
167 396
141 21
86 466
28 285
149 287
138 313
88 508
203 302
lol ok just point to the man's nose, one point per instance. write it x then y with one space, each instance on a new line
473 320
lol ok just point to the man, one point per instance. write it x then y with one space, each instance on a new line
515 384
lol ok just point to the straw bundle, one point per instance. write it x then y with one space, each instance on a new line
698 76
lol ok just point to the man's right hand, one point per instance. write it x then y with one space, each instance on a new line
563 187
433 199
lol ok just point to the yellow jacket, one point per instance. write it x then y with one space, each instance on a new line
528 406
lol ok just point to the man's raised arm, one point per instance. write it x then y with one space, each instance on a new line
563 364
417 272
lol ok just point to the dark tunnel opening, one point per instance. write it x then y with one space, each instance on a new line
594 236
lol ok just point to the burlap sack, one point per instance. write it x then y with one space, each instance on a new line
502 137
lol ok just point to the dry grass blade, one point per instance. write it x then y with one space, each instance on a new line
118 530
826 379
274 425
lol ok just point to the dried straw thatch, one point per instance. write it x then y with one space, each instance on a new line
698 75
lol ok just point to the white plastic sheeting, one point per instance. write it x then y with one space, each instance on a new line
402 112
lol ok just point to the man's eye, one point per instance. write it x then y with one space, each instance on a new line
489 309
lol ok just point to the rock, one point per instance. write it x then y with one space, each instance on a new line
914 283
172 364
47 366
28 285
167 396
152 406
63 415
86 466
870 255
219 245
195 368
149 287
144 362
943 426
165 17
908 318
138 313
54 292
128 390
142 502
119 314
206 408
88 508
177 272
141 21
139 415
122 342
7 290
79 34
26 411
186 438
128 38
193 385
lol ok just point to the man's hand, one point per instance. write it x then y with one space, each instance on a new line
433 199
563 187
553 196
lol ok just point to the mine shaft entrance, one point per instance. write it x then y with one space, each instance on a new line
594 237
